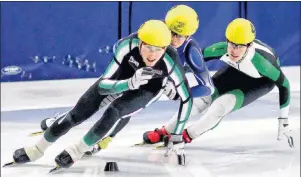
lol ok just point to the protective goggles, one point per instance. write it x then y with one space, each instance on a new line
237 46
173 34
152 48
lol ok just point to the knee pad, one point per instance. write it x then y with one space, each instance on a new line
110 116
200 104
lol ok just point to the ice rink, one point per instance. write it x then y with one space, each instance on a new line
53 52
244 144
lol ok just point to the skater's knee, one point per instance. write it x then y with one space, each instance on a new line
223 105
200 104
111 115
107 121
75 118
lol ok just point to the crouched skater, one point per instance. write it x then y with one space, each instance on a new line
139 70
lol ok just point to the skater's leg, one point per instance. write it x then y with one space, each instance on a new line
200 104
103 143
229 102
120 125
125 106
86 106
47 122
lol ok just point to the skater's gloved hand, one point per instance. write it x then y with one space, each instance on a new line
141 77
170 91
284 131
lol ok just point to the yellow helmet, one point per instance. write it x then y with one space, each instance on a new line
155 32
182 20
240 31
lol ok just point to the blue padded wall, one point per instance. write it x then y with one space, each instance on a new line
87 31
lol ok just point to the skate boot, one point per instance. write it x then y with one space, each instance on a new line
102 144
64 160
45 123
69 156
25 155
156 136
185 136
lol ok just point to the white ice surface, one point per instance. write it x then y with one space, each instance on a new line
243 145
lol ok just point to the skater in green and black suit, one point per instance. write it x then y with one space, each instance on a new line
138 72
252 71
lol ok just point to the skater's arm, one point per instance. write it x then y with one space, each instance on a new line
275 73
215 51
182 88
195 60
109 84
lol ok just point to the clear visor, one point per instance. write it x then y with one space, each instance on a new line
236 46
173 34
152 48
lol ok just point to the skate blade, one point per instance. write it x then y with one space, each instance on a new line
291 142
181 159
142 144
36 133
162 146
139 144
10 164
55 169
